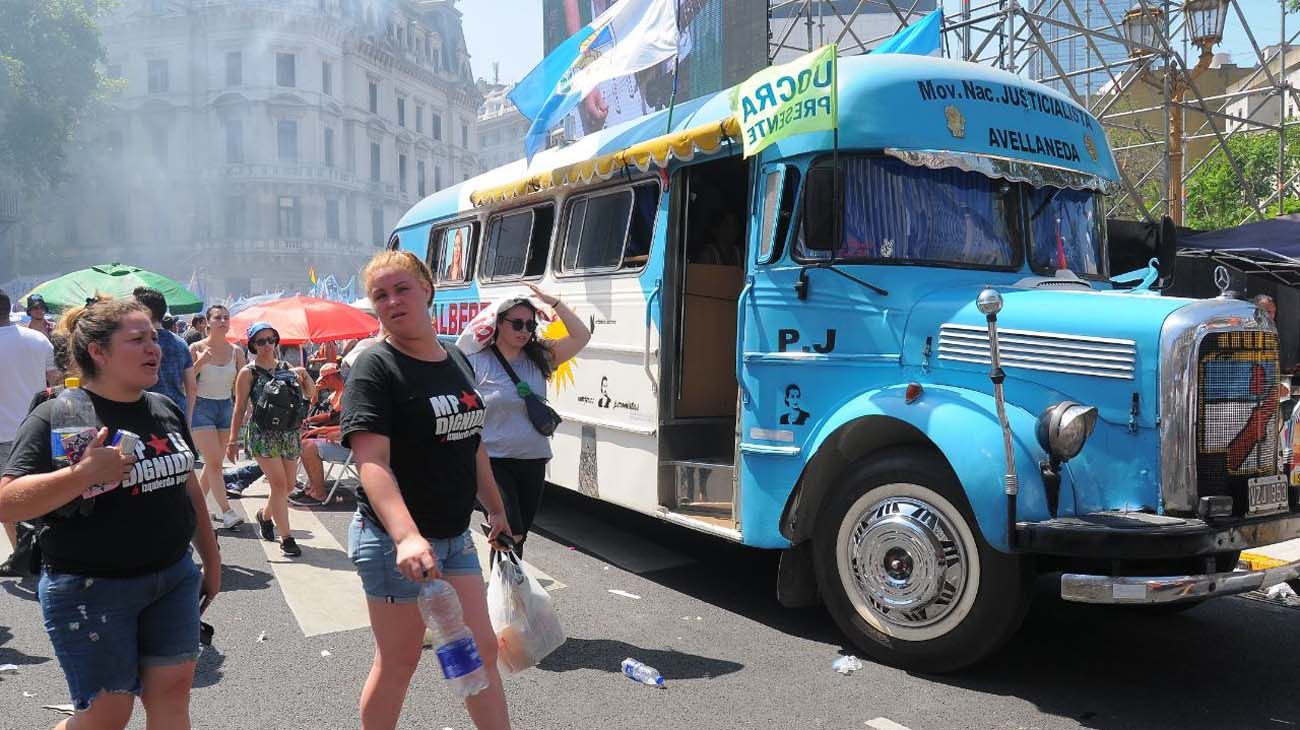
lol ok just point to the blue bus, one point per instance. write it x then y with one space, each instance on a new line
894 354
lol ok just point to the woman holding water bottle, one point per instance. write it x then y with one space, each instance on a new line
120 594
413 421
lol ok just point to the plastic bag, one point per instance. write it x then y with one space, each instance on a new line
525 622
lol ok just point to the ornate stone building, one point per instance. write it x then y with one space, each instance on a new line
501 127
253 139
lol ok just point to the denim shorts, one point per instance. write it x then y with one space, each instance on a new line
212 414
375 555
330 450
106 630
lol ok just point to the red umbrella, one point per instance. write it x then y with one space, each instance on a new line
306 319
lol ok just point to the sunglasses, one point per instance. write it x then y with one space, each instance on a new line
266 341
522 324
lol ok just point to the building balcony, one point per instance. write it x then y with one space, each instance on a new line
281 171
299 247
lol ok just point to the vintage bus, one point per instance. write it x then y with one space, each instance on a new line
895 354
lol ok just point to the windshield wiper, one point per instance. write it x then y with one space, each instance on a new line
801 286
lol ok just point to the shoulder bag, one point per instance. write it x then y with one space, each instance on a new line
543 417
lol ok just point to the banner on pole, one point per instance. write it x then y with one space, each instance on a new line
781 101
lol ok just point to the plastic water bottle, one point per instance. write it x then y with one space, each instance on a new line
73 424
642 673
452 641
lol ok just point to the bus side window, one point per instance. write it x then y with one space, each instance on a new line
610 231
779 190
517 243
451 253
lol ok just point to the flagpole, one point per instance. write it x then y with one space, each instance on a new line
677 60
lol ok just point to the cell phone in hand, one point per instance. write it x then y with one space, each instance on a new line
503 541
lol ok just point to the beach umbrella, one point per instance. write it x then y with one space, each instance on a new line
117 280
306 319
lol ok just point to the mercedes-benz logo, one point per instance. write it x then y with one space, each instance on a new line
1222 279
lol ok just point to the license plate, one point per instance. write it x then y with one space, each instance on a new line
1266 494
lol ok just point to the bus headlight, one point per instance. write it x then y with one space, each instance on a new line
1063 428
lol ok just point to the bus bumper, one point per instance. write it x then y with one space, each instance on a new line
1172 589
1132 536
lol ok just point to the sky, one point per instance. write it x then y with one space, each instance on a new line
510 32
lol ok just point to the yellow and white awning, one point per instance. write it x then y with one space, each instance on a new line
641 157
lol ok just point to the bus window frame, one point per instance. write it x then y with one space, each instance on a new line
787 202
1103 259
471 256
562 225
1019 247
531 209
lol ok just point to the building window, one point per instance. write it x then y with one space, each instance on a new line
329 147
234 217
377 226
290 223
286 140
419 177
464 136
374 97
401 173
158 77
234 68
332 220
374 162
435 125
326 78
401 112
160 145
285 68
157 7
437 178
234 141
419 118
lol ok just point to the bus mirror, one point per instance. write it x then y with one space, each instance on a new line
818 209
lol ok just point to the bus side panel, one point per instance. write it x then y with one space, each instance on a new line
606 463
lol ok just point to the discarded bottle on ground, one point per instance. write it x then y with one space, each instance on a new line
452 641
639 672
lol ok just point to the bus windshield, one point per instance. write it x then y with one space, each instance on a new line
1066 231
899 213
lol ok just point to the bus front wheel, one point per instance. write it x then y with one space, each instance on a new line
903 568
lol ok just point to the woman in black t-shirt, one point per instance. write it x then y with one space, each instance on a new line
412 419
119 591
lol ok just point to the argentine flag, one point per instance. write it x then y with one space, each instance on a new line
630 36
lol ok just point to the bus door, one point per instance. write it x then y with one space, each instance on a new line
705 266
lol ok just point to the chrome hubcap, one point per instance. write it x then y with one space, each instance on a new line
907 562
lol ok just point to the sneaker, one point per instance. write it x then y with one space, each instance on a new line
267 527
235 490
216 517
231 519
289 547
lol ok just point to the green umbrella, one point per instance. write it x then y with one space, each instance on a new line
115 280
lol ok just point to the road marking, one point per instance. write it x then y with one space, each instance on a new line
625 550
322 587
884 723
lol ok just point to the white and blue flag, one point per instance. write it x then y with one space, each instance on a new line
630 36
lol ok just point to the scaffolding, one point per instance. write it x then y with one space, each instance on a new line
1169 105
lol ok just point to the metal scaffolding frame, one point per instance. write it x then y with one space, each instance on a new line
1149 102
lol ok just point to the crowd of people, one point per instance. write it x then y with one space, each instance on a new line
435 430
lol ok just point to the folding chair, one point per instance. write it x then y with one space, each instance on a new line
334 468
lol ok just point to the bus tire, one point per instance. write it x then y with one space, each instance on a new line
904 570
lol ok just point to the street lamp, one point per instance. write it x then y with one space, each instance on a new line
1205 20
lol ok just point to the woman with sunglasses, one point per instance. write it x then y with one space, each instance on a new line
517 451
412 419
216 362
276 452
119 590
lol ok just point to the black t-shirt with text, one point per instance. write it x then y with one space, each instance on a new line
433 418
140 527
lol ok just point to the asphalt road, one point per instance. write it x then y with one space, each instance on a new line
704 613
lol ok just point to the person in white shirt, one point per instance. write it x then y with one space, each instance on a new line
29 367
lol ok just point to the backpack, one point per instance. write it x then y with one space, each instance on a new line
278 402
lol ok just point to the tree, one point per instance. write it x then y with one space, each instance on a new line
49 78
1215 194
